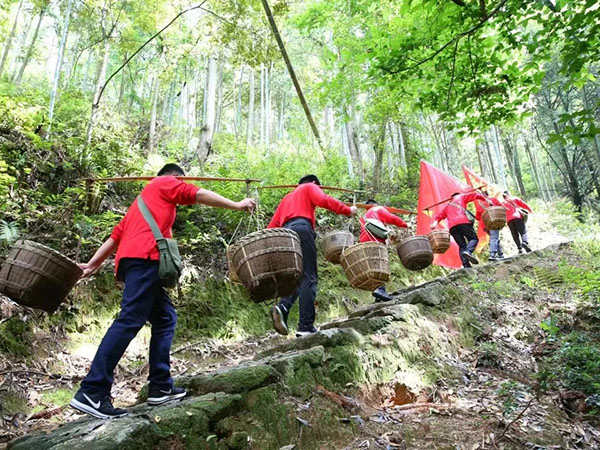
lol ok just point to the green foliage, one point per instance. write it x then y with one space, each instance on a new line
509 392
15 335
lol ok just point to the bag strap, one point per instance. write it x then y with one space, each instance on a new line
149 218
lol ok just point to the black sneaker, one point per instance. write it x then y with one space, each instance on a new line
279 316
158 396
493 258
381 295
470 257
521 251
302 332
102 409
526 247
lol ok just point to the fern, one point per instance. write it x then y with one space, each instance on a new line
9 232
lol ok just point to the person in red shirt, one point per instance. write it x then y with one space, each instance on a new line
480 206
144 298
381 214
297 212
514 219
461 224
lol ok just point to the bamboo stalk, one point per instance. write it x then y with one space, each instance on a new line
291 186
148 178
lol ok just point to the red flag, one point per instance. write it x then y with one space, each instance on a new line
475 180
436 186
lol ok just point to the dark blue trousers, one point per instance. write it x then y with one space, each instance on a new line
144 300
307 289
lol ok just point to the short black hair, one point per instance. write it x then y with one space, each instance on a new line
505 193
309 179
455 193
170 169
371 202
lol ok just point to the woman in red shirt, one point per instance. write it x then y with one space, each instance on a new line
384 216
514 219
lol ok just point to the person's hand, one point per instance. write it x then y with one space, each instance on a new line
434 224
353 210
88 269
248 204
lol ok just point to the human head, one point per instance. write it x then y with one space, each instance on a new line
309 179
171 169
371 202
505 194
485 192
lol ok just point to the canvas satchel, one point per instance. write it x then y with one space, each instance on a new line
169 264
468 213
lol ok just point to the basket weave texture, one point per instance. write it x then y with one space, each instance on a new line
439 240
268 263
334 243
232 274
366 265
415 252
36 276
494 217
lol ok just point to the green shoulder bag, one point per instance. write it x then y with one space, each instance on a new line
169 264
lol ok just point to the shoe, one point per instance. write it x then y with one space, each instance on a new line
493 257
521 251
102 409
279 316
470 257
306 332
158 396
381 295
526 247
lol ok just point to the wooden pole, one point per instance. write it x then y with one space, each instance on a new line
293 186
389 208
149 178
450 198
290 69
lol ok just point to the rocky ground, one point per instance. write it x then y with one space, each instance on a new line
453 363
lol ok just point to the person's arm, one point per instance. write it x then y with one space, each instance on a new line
392 219
522 204
210 198
437 218
319 198
105 250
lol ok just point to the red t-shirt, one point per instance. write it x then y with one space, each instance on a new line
161 195
454 211
302 201
382 214
512 206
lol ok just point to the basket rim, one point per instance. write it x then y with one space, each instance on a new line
23 242
266 231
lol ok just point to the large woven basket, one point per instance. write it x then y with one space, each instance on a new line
231 273
366 265
415 252
439 240
334 243
268 263
36 276
494 217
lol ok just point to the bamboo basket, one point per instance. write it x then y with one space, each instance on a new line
334 243
231 273
494 217
439 240
415 252
268 263
366 265
36 276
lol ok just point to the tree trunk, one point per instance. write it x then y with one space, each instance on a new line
219 96
205 143
346 149
31 46
379 148
99 82
262 105
238 106
152 131
490 159
61 51
512 157
534 169
499 162
401 145
354 150
10 38
250 123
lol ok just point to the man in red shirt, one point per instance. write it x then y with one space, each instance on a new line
460 223
514 219
495 247
297 212
384 216
144 298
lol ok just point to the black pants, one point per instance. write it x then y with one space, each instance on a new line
519 232
466 238
307 289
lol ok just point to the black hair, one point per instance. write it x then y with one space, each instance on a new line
505 193
371 202
455 193
309 179
171 169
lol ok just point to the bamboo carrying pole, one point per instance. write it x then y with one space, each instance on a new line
148 178
389 208
293 186
450 198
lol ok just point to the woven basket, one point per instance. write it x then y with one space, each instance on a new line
415 252
366 265
439 240
36 276
231 273
494 217
334 243
268 263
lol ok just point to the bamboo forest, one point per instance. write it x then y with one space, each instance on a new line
300 224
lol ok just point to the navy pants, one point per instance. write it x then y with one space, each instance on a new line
144 300
307 289
466 238
519 232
